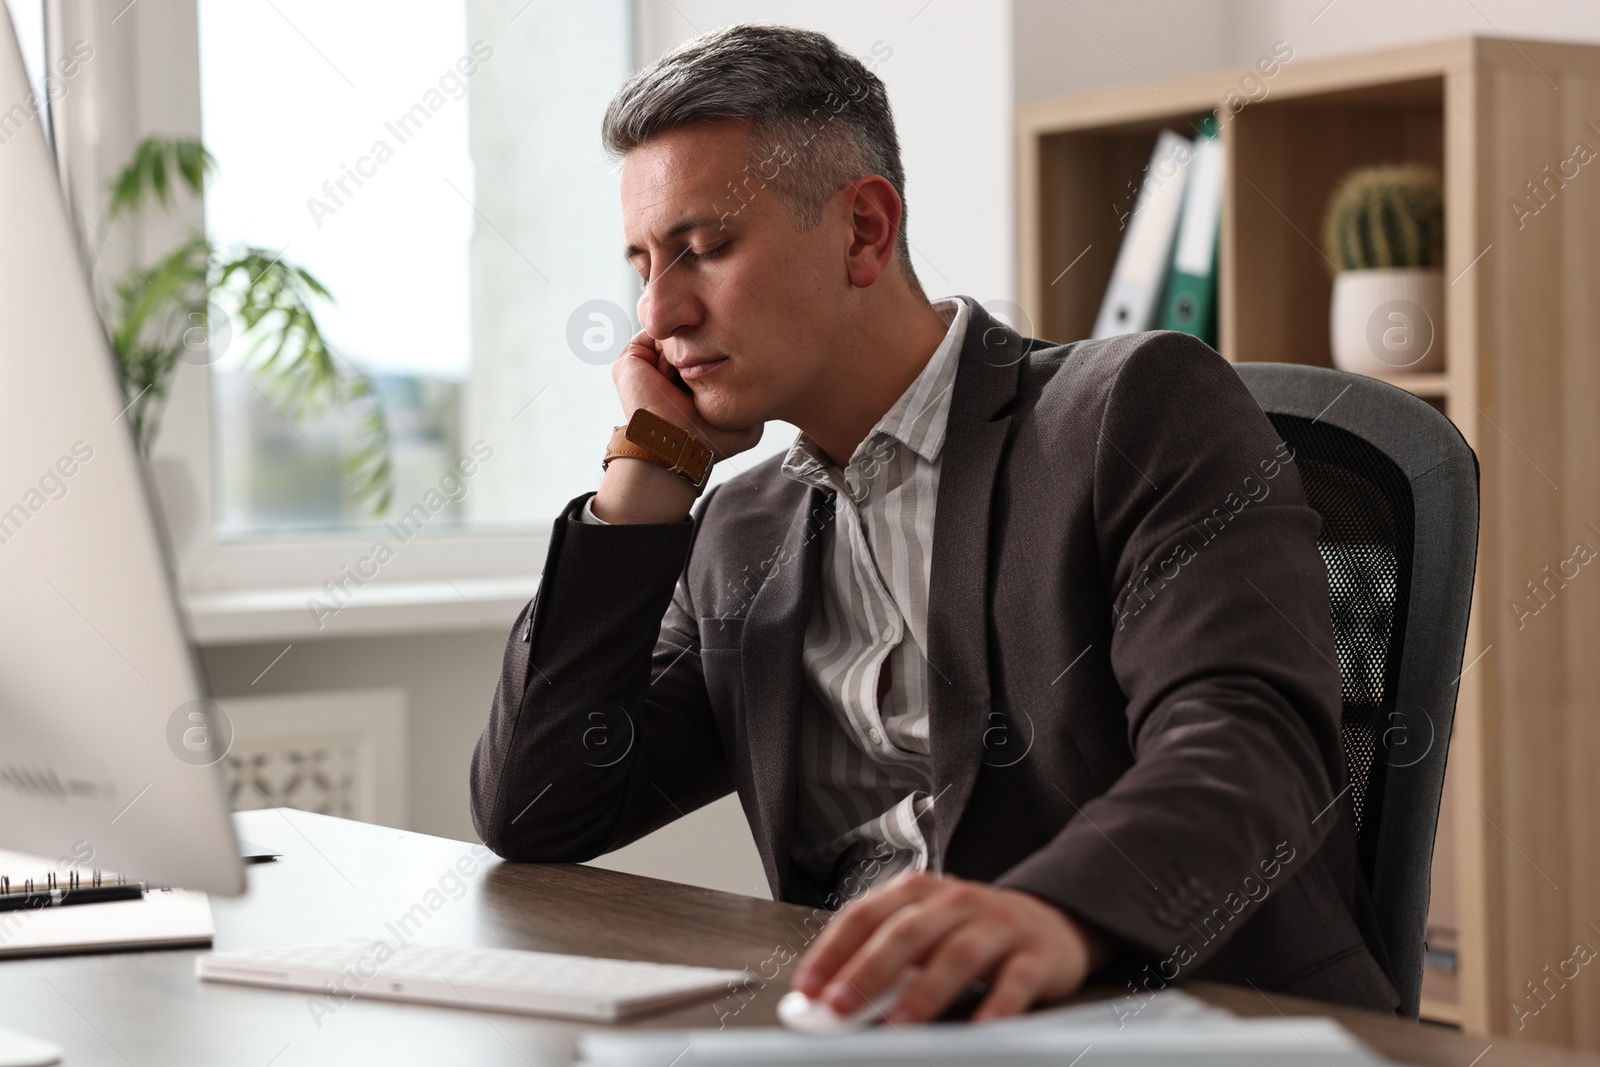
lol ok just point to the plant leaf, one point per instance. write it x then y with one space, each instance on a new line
149 175
291 360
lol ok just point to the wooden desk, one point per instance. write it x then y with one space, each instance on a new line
348 879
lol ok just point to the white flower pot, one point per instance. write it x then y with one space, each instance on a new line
1388 322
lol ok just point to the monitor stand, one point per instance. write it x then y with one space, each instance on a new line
20 1050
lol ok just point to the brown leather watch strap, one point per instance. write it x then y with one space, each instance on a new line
650 437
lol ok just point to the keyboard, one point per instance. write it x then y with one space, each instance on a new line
533 983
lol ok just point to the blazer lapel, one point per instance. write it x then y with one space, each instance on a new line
958 596
774 680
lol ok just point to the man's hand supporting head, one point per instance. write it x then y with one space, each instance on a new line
634 490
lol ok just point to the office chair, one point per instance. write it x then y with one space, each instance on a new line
1397 489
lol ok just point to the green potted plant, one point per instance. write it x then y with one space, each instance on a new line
200 298
1384 236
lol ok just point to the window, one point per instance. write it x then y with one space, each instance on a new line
27 19
438 167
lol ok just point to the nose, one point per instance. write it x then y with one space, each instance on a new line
668 304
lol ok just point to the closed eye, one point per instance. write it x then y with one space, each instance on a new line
691 254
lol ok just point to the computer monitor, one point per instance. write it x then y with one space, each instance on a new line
108 749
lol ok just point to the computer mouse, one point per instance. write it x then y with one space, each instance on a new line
800 1013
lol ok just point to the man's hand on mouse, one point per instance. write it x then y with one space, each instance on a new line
636 491
957 932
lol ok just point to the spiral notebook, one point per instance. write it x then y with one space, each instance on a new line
35 922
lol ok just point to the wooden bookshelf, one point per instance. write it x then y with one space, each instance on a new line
1517 867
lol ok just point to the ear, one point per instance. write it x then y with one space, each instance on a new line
874 212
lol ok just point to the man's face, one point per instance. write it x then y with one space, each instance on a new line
741 303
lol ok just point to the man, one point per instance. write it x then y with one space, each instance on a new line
1031 640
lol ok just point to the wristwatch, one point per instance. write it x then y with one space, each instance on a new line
649 437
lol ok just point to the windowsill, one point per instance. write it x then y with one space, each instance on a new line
282 614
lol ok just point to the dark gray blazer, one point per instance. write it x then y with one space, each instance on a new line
1135 705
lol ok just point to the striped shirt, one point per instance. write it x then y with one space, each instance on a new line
865 798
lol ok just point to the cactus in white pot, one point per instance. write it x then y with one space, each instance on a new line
1384 235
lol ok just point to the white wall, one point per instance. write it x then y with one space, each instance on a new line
1100 44
550 243
448 679
1361 25
1086 45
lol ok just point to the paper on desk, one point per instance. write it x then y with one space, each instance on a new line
1172 1027
164 918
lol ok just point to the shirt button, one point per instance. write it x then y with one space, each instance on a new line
888 633
877 737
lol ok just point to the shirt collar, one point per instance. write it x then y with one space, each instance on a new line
918 418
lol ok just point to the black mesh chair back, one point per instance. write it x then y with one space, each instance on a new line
1397 489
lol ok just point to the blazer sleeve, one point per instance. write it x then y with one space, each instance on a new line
601 728
1221 642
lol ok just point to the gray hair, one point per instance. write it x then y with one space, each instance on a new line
818 117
